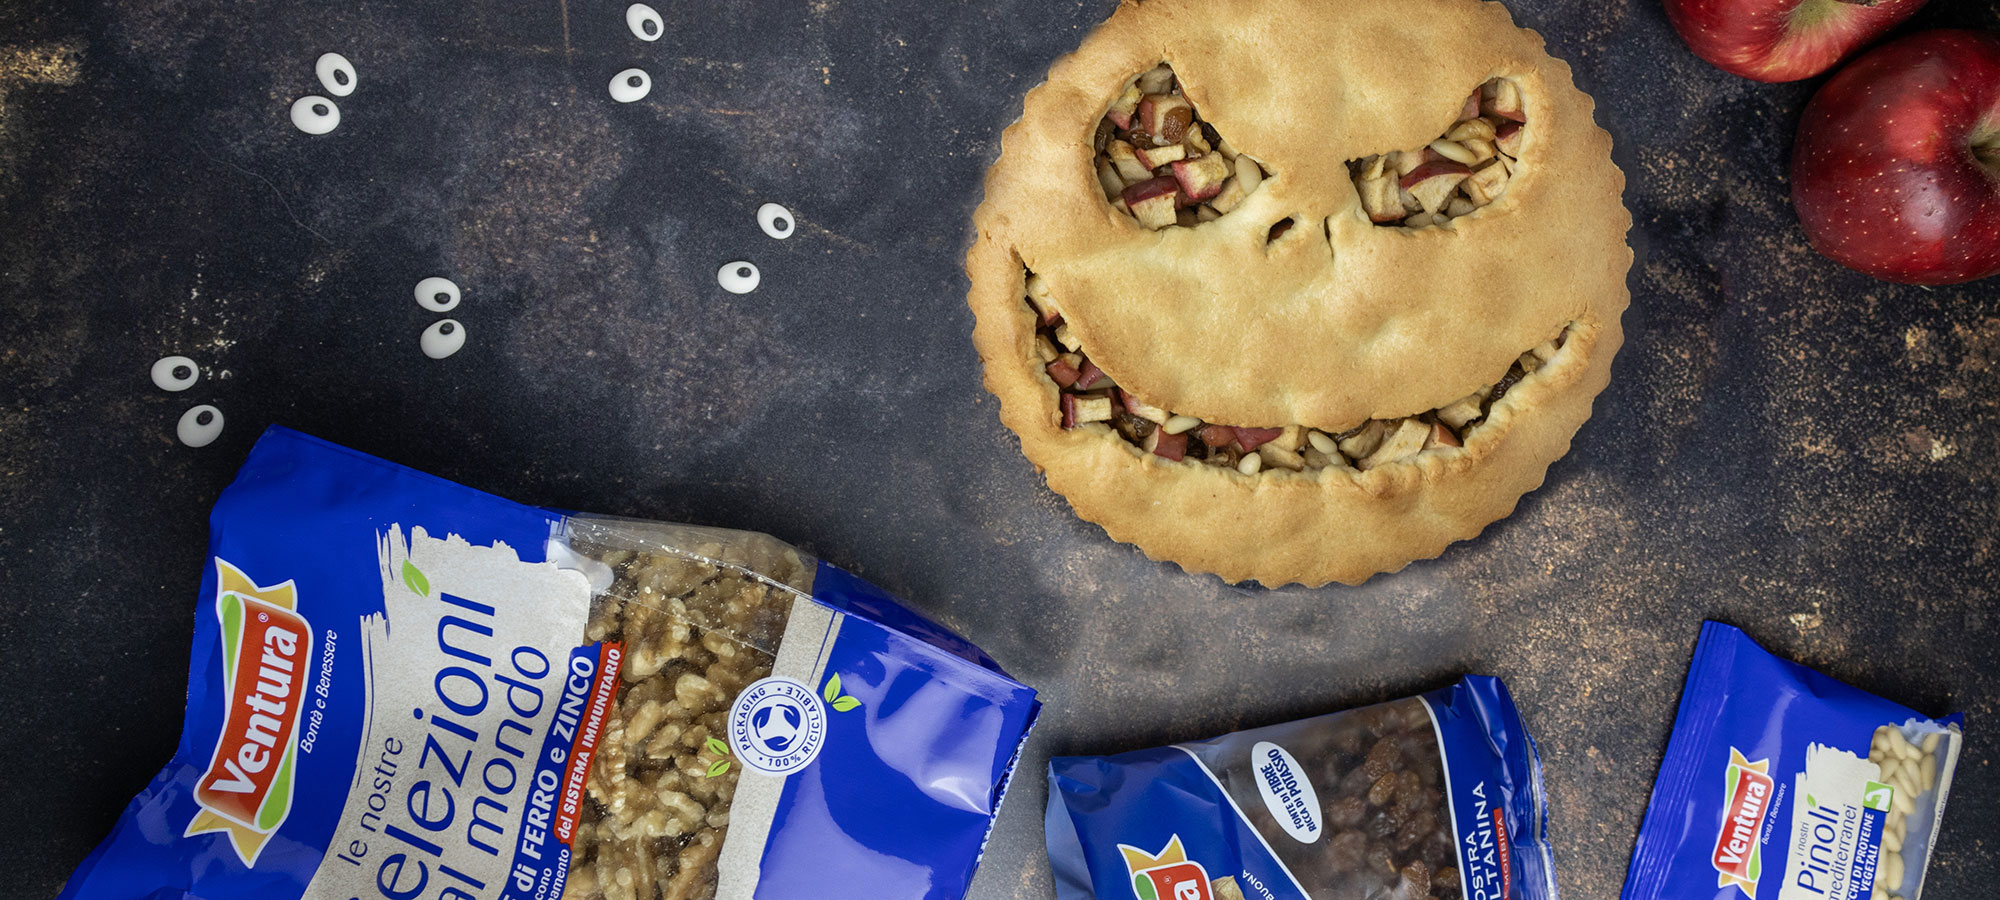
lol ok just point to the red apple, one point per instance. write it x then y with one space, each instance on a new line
1155 157
1062 373
1216 435
1166 446
1433 182
1166 116
1125 107
1252 438
1090 377
1896 171
1153 201
1201 178
1782 40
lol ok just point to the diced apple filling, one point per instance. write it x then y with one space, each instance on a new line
1158 162
1087 394
1465 169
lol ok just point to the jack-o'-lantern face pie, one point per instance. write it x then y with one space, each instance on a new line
1300 290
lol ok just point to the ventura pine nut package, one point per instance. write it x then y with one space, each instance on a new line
1435 796
405 689
1780 783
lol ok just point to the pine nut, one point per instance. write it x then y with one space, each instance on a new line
1454 151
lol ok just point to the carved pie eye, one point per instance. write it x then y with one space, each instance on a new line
1087 395
1160 163
1464 169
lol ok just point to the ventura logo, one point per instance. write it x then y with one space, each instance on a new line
247 791
1738 858
1166 875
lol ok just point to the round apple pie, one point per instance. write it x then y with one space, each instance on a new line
1300 290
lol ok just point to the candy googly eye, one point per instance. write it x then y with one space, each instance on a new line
630 85
437 294
442 339
645 22
175 373
200 426
336 74
775 220
738 277
315 115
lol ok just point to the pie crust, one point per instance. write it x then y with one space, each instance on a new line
1334 321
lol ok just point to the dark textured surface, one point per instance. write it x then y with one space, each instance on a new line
1785 445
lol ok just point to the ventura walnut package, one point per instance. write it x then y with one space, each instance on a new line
403 688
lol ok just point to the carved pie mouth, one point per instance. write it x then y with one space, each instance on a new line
1087 396
1159 163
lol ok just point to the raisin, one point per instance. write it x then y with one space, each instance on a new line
1345 852
1346 812
1383 758
1383 790
1416 879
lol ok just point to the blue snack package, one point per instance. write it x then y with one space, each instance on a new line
1783 783
1434 796
406 689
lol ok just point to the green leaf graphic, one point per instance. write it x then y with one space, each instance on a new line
832 688
278 802
718 767
845 703
717 747
232 632
415 580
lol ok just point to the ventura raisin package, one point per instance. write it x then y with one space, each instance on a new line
1436 796
1783 783
403 689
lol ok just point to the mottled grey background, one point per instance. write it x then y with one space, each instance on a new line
1785 445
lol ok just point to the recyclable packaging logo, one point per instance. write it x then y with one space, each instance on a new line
1166 875
1738 856
247 791
777 726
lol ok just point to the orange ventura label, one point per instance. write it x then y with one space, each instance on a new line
247 791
